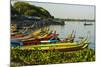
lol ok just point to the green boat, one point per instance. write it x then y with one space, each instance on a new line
58 46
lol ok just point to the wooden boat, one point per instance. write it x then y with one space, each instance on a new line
15 43
26 37
17 36
40 31
36 32
38 40
59 46
46 36
31 42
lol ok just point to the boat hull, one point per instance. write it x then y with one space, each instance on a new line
58 47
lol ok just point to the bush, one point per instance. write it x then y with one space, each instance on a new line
30 57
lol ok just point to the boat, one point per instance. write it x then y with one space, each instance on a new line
31 42
14 36
88 24
47 38
58 46
36 41
39 32
35 34
15 43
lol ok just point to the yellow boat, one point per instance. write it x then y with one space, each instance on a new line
59 46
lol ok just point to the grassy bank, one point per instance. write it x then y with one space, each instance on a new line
29 57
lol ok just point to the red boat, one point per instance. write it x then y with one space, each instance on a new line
36 41
17 36
30 42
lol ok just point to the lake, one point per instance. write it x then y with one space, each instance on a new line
80 29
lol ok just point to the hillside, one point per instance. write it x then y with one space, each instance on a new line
23 8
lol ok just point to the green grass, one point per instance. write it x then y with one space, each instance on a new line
30 57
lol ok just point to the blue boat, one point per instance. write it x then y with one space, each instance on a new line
15 43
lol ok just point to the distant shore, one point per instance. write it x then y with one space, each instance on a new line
87 20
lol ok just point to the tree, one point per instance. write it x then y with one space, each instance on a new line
21 7
24 8
13 10
31 13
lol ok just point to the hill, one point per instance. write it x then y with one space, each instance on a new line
26 9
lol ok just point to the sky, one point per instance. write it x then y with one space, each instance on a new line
68 10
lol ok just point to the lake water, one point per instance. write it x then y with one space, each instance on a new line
80 29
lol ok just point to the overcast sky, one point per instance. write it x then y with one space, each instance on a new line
68 10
